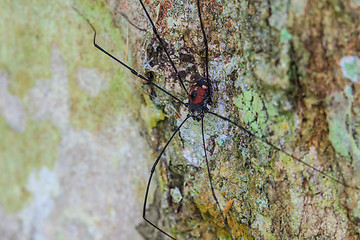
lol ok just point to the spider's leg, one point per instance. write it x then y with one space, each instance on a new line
122 63
205 43
163 46
149 182
210 180
286 153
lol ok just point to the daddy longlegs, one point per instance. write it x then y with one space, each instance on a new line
200 99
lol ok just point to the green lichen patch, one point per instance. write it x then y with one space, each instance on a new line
261 118
150 113
350 66
339 115
26 54
94 113
285 35
253 110
35 148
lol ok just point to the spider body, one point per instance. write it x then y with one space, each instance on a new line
200 98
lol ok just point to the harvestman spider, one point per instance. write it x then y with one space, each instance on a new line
200 96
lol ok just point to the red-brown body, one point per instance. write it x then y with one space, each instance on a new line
199 98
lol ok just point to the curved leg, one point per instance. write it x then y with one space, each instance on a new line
122 63
149 182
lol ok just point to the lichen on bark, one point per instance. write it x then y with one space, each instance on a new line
277 69
287 71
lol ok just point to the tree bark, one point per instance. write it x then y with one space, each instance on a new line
74 122
288 72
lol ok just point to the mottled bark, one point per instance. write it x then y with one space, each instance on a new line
289 72
75 161
72 150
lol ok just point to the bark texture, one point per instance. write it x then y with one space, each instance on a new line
287 71
77 125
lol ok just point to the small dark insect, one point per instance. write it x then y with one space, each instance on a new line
200 99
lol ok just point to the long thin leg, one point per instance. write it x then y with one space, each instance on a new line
151 174
163 46
205 43
131 23
210 179
286 153
122 63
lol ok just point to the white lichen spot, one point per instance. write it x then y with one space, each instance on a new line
44 187
261 223
350 66
49 99
176 195
91 81
187 154
103 177
10 106
297 201
355 3
312 157
279 15
298 7
222 139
